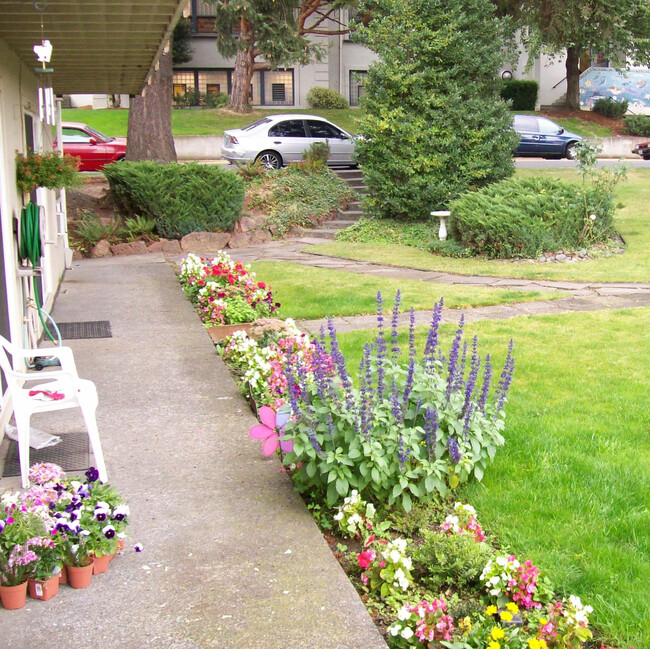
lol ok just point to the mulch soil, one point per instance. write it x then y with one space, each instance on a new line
615 125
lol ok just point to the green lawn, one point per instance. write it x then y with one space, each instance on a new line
571 488
309 293
113 121
631 221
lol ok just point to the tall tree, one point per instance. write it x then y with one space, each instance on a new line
620 30
434 125
149 130
267 34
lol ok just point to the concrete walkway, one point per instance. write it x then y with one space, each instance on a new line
232 557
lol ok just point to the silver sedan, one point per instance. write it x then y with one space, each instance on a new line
279 139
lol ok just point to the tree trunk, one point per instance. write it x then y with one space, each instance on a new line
573 78
242 75
149 134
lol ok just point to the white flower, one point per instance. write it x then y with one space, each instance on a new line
400 544
407 633
338 517
394 556
370 510
501 561
592 217
493 581
403 613
407 563
394 629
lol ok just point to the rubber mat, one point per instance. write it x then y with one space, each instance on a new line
72 453
80 330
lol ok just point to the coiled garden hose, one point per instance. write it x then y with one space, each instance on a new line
30 250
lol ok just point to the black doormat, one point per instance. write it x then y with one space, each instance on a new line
72 453
80 330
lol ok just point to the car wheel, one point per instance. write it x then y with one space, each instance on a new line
270 159
646 156
571 152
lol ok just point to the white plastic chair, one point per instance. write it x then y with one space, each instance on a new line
76 393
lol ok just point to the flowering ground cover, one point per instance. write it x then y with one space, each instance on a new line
630 220
569 489
307 292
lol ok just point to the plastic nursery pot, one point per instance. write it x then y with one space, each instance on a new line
43 589
80 576
13 597
63 575
101 563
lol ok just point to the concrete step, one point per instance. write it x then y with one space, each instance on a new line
320 233
352 214
339 224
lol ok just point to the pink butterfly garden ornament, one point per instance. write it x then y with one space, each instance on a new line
270 430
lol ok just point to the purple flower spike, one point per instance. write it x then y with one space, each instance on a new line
394 350
454 452
505 380
487 379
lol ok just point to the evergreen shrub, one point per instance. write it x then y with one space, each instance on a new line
434 124
318 97
610 107
637 125
522 93
523 217
181 198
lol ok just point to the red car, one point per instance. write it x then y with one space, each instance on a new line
93 148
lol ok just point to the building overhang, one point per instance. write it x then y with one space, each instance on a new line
99 46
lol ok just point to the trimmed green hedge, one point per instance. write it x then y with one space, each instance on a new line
522 93
610 107
181 198
319 97
525 217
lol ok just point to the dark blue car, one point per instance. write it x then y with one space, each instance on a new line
542 138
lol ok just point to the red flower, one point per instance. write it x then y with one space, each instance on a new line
261 285
365 558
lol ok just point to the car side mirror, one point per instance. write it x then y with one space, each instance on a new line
92 141
560 131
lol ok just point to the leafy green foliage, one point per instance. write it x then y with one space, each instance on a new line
435 125
610 107
315 158
87 230
319 97
521 93
524 217
182 49
444 560
181 198
419 234
193 98
296 197
638 125
139 227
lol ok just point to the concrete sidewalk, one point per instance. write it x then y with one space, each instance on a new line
232 558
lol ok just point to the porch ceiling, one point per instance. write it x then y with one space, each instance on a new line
99 46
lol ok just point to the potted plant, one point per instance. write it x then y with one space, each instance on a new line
44 582
49 169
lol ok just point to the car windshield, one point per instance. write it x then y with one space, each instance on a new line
98 135
264 120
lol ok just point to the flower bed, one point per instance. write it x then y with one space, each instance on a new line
223 291
394 444
58 522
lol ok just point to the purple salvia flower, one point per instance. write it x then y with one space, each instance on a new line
365 372
394 401
402 453
505 380
468 416
339 363
452 367
381 348
394 351
431 346
322 379
292 388
460 375
487 379
475 365
408 386
330 424
412 349
431 430
454 451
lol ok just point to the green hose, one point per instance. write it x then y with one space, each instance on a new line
30 250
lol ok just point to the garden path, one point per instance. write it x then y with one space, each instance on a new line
580 296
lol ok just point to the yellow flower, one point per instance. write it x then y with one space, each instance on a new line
534 643
494 645
465 624
543 621
506 616
512 607
497 633
491 610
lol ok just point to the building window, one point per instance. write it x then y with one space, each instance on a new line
277 86
213 81
599 60
180 89
347 16
357 79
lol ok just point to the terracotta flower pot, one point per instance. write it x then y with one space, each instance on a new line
13 597
63 575
119 545
101 563
80 576
43 589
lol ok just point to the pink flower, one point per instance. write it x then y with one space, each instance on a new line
268 430
365 558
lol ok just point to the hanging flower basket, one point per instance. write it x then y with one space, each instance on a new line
50 170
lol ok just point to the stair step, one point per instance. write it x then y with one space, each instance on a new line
339 224
349 213
320 233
